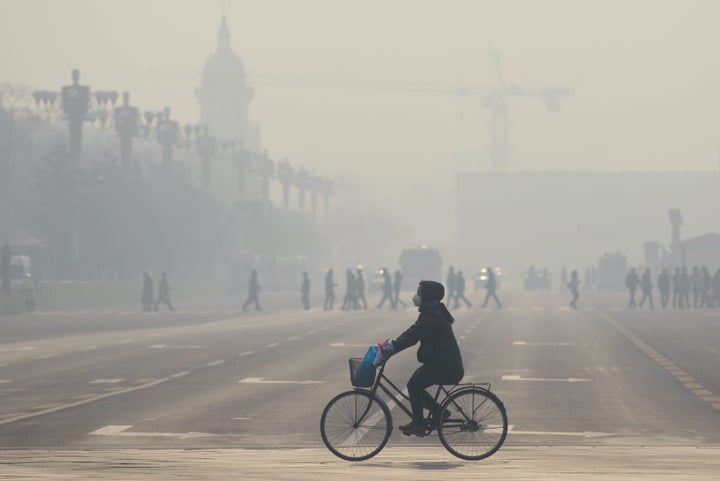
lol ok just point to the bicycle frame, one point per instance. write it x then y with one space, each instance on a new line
378 384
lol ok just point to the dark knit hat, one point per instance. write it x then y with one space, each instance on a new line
432 291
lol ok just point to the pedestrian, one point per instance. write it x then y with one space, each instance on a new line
685 287
387 290
631 282
163 293
254 289
574 285
696 285
646 286
460 290
677 289
663 283
147 295
439 355
450 285
329 290
305 291
491 286
715 295
349 300
705 286
397 287
359 290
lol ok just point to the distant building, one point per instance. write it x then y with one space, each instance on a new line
703 250
225 96
517 219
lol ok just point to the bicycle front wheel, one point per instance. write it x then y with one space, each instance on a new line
477 425
355 425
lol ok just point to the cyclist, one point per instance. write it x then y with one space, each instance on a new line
438 353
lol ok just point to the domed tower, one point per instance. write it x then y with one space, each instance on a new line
224 95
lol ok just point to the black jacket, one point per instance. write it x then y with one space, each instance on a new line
438 346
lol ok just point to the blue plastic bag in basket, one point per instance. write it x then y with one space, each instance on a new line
365 375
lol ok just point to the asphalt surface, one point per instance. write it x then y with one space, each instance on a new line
600 382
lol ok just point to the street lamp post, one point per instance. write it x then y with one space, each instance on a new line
285 175
206 150
241 158
266 169
168 135
327 190
301 182
75 105
126 125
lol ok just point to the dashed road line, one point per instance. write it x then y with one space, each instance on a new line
246 353
682 376
214 363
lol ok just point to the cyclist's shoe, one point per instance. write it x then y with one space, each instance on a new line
435 420
412 429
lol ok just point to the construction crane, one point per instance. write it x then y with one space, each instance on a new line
496 97
497 102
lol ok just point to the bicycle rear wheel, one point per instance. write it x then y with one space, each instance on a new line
355 425
477 425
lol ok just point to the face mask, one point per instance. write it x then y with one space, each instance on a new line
417 300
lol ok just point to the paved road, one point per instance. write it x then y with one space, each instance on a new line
211 376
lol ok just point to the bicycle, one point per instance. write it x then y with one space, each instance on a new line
356 425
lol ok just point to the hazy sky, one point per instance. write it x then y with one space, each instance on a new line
646 75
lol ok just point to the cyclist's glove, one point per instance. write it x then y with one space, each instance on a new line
385 350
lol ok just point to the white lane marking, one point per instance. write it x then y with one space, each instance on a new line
584 434
294 338
274 344
462 337
120 430
538 308
3 365
165 346
16 349
88 348
563 308
3 381
124 341
180 374
46 356
526 343
342 344
214 363
106 381
246 353
81 402
260 380
242 419
310 332
520 378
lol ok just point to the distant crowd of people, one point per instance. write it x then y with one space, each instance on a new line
703 287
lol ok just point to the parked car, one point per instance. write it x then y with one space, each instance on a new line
537 278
